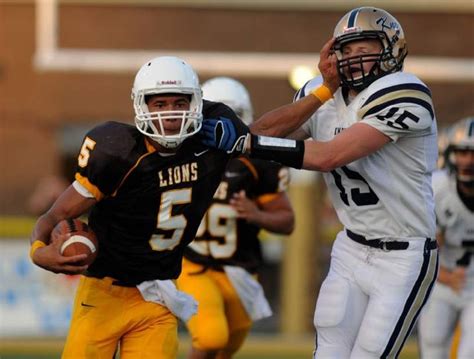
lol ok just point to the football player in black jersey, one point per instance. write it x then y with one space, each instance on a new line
147 187
226 251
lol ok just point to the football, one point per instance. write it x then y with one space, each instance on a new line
82 239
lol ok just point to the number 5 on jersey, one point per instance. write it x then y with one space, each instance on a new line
85 153
167 222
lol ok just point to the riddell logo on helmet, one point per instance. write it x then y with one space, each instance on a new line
170 82
348 30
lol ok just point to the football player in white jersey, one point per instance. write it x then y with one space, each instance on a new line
453 294
374 132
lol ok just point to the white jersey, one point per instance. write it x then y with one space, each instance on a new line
456 221
388 193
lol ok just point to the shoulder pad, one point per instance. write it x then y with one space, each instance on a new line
212 109
115 138
395 89
308 87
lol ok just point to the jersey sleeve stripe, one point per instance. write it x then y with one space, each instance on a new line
84 181
296 97
396 88
427 105
301 92
413 93
250 166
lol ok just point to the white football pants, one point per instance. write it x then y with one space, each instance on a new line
438 321
370 299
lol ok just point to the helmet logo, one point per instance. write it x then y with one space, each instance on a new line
348 30
382 22
169 82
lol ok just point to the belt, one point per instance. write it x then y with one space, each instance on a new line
384 245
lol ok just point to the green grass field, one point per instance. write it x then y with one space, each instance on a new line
256 347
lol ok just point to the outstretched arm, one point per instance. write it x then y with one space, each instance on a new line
288 118
355 142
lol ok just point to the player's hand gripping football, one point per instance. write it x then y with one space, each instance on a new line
221 133
50 258
328 66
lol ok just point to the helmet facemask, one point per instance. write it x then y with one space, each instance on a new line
151 123
167 76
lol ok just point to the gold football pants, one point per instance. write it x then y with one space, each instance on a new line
221 323
105 315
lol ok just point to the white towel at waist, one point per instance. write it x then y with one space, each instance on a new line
250 292
164 292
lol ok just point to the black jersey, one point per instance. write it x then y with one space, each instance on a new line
222 238
150 204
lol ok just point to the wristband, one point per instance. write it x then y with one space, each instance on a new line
322 93
36 244
287 152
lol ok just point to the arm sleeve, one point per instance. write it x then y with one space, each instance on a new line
400 110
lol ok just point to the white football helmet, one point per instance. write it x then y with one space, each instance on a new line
167 75
232 93
366 23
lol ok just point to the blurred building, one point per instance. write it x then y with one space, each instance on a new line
54 84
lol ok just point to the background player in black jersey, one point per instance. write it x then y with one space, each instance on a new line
226 252
147 188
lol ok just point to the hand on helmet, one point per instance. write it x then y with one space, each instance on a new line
221 133
328 66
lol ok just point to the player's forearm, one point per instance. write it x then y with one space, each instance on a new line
43 227
288 118
69 205
322 156
281 222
